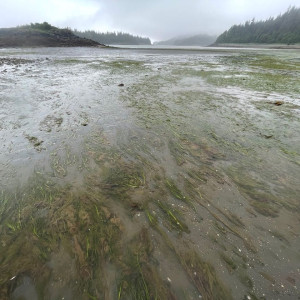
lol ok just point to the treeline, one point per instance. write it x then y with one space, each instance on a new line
113 38
285 29
41 26
45 26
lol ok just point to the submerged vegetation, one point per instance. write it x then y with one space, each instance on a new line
181 184
204 277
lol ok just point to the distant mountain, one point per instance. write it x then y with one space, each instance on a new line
42 35
285 29
113 38
195 40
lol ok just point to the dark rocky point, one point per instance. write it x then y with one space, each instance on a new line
42 35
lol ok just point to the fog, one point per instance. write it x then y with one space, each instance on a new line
157 19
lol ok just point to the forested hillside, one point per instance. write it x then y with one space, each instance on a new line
42 35
285 29
113 38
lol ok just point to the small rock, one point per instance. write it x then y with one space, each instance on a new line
267 136
278 103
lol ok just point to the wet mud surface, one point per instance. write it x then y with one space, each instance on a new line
149 174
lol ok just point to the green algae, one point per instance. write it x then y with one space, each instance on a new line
279 236
234 219
259 196
200 272
124 178
71 61
268 277
37 143
261 73
246 280
220 228
177 152
231 265
175 191
153 221
67 219
267 62
173 218
139 279
204 277
122 66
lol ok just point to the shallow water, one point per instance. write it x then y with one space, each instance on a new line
182 183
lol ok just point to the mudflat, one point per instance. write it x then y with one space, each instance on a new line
149 174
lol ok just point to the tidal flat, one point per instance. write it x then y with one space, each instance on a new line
149 174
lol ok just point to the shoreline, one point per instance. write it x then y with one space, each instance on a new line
253 45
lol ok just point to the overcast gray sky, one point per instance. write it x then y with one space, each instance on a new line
157 19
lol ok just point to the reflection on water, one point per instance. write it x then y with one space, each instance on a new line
149 174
